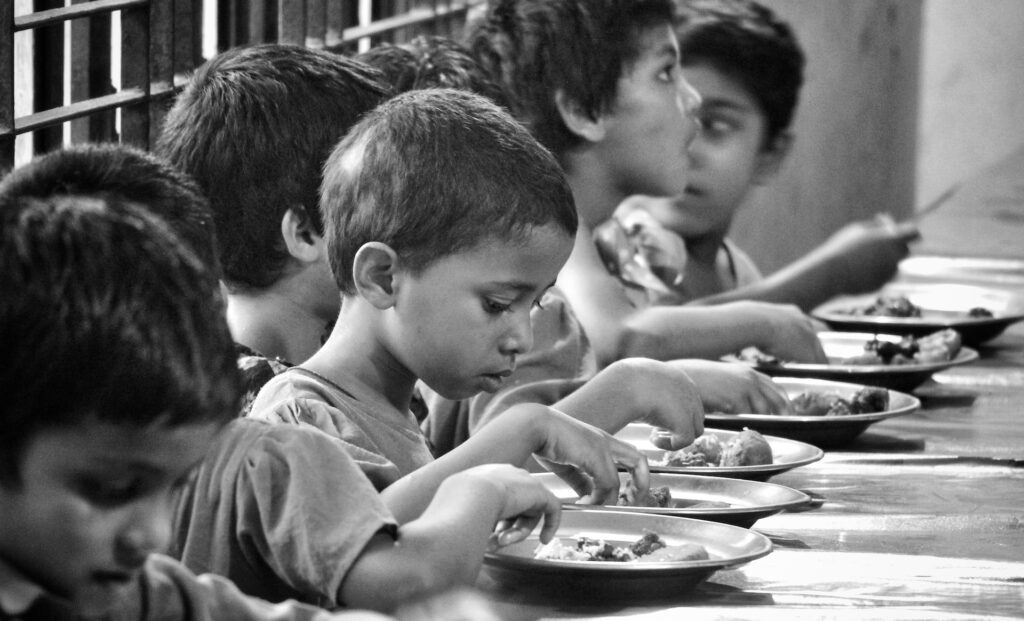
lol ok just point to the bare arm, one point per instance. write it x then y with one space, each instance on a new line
586 457
445 546
859 258
618 330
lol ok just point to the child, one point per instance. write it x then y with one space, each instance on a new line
264 468
748 68
122 372
598 82
561 360
253 127
445 222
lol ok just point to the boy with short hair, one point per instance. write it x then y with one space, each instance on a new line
598 82
748 66
122 372
53 209
253 127
445 223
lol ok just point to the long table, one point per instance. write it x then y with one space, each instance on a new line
922 516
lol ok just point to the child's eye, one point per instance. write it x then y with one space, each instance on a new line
668 73
496 308
537 304
111 492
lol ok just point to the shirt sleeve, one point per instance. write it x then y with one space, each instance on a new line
170 591
308 510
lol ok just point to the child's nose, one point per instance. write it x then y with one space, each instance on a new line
519 338
691 98
147 530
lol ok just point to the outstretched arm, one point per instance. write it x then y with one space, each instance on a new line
445 546
860 257
618 330
586 457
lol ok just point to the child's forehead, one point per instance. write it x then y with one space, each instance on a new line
158 447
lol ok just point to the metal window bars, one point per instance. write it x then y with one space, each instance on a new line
57 59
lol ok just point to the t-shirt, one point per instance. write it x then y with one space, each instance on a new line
256 370
560 361
165 591
650 261
386 442
282 511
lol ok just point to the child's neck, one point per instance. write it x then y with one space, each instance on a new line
593 188
704 249
274 325
354 351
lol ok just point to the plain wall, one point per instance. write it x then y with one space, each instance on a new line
972 89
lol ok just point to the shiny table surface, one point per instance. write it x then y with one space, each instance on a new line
922 516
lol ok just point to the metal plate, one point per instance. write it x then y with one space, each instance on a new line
745 502
786 454
841 345
943 305
823 431
513 567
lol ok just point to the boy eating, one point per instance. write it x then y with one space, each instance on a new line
748 67
445 223
598 82
122 373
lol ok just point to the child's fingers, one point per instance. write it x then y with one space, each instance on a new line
635 462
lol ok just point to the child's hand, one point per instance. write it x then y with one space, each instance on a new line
641 390
523 502
586 457
783 330
735 388
867 253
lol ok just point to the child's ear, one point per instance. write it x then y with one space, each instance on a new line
770 160
577 120
373 273
300 236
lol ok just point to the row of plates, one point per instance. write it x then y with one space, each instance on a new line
715 506
711 506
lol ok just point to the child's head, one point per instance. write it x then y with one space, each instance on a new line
129 174
440 206
599 77
746 42
253 127
748 68
432 62
120 369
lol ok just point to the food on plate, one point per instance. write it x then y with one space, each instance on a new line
889 306
901 306
867 400
935 347
747 448
655 497
650 548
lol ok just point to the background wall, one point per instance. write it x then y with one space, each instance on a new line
902 99
972 89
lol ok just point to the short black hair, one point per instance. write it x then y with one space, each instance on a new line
749 43
116 170
533 48
433 172
432 62
253 126
105 314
